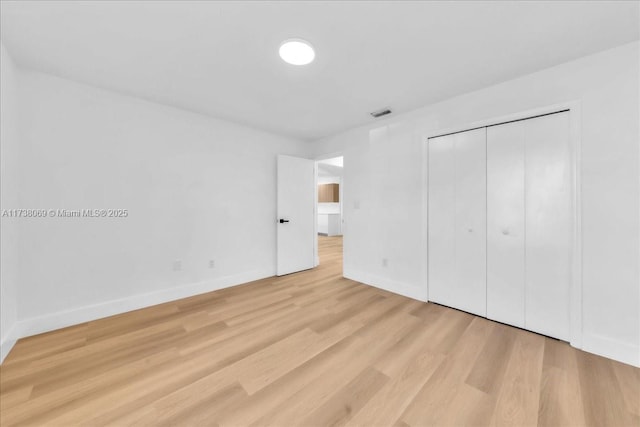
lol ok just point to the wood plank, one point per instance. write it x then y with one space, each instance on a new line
491 365
604 403
560 401
386 407
629 380
434 400
518 398
350 399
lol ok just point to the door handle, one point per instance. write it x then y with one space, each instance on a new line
282 221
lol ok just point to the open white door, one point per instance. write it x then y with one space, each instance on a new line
296 214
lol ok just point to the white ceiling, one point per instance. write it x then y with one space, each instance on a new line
334 161
329 171
221 58
331 167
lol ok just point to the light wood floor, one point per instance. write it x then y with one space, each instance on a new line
309 349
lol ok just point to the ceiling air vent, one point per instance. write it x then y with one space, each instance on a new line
381 113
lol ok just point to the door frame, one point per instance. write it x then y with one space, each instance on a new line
574 108
316 160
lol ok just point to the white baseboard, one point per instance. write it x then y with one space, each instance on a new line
611 349
404 289
62 319
7 343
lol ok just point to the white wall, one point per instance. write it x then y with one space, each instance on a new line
9 197
387 157
196 189
328 179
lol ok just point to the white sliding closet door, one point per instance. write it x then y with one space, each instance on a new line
506 223
549 224
457 221
529 224
471 221
442 223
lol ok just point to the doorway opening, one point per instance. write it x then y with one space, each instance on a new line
329 211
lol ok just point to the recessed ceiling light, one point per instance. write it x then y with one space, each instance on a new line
297 52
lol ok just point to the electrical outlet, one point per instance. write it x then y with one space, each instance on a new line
212 263
177 265
385 262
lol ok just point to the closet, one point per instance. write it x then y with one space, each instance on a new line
500 222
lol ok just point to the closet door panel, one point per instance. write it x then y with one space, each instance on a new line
470 218
441 218
548 225
506 224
